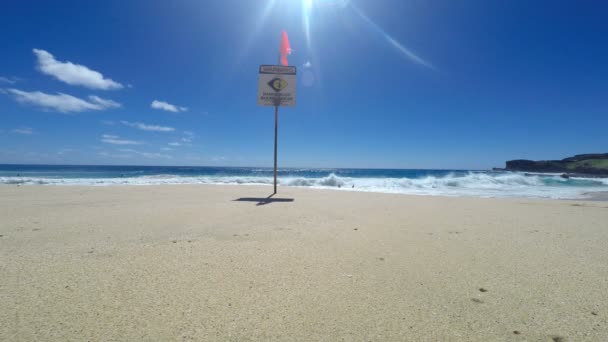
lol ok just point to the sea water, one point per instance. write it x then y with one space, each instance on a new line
476 183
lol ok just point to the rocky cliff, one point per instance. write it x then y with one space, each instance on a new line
591 164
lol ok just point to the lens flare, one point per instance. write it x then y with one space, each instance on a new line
392 41
256 30
306 9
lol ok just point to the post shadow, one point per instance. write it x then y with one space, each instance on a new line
263 200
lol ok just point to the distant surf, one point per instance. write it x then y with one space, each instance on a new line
413 182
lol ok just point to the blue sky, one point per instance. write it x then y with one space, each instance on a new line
396 84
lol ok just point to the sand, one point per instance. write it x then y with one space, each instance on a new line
168 263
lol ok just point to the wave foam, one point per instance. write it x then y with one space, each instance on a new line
479 184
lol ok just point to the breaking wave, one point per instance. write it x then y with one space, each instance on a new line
479 184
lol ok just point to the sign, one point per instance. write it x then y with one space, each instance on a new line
277 85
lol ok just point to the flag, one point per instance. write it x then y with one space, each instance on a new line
284 49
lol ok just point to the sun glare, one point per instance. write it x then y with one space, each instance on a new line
306 9
307 4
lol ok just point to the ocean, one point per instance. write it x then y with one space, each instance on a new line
477 183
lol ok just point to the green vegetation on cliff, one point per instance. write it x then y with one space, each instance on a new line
591 164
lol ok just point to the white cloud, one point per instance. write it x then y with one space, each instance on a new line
103 102
188 138
166 149
151 128
23 130
64 151
9 80
63 103
116 140
161 105
113 155
146 154
154 155
73 74
307 64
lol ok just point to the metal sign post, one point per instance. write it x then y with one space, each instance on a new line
276 87
276 130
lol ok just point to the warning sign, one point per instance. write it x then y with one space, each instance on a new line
277 85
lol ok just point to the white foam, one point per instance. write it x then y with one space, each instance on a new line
478 184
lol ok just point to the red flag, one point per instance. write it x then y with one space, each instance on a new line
284 49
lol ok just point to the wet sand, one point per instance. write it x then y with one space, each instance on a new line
196 263
598 196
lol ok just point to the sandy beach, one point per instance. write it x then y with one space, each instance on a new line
216 263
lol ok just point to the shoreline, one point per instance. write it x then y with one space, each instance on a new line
597 196
589 196
228 263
